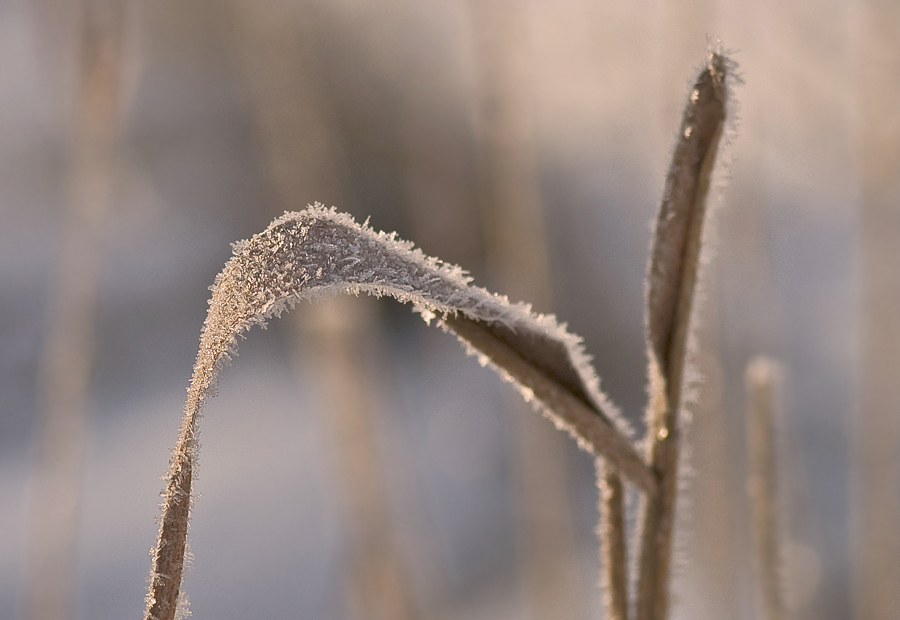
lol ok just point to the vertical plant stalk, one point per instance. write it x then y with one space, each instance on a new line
679 26
760 380
517 257
711 528
67 357
671 280
611 532
877 456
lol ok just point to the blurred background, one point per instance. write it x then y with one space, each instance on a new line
355 463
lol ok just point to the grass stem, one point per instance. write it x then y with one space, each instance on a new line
614 556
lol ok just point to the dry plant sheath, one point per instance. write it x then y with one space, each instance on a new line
674 263
317 252
761 381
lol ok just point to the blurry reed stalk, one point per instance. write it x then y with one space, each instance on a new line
671 281
517 257
710 529
877 450
336 336
67 357
275 45
761 382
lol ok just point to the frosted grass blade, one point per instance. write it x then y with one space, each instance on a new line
671 280
317 252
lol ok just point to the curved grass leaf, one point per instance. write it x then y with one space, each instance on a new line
318 252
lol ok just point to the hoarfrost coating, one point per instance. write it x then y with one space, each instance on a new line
319 252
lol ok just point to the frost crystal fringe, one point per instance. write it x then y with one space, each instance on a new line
317 252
